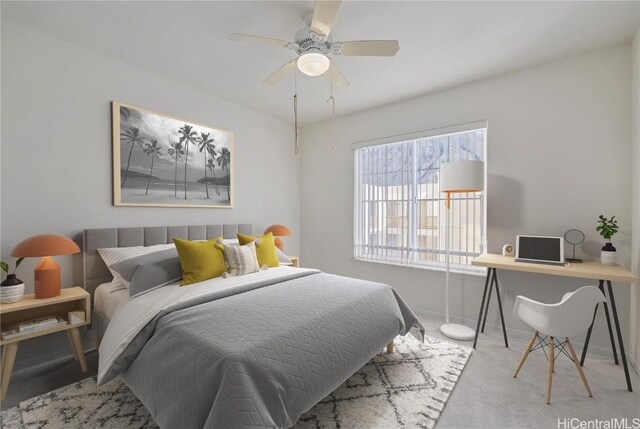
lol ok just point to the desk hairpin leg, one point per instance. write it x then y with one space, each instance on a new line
623 355
492 278
588 338
606 313
486 309
484 296
614 310
504 329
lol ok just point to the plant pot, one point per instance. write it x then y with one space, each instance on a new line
608 255
11 290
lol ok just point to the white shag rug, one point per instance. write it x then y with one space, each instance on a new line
408 388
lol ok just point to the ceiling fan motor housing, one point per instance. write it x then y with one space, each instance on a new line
309 41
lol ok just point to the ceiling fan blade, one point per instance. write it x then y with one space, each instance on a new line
324 15
377 48
237 37
334 73
280 73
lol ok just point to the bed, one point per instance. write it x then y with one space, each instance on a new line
250 351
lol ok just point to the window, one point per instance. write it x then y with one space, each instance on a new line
400 213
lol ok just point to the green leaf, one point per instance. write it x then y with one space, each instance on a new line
18 262
4 266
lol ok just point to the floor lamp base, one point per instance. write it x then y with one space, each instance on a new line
457 332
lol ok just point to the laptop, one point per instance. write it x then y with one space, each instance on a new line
540 249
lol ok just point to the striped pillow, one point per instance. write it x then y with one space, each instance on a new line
113 255
241 259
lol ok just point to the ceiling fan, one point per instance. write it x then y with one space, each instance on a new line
315 48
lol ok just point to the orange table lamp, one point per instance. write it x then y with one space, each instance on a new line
278 231
47 273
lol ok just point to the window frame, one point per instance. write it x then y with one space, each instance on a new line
435 132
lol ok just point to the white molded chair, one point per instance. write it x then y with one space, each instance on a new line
571 316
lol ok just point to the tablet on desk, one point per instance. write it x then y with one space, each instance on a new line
540 249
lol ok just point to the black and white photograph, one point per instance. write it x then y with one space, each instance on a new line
160 160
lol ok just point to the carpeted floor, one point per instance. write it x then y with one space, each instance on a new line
408 388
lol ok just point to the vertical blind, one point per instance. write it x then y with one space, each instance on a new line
400 213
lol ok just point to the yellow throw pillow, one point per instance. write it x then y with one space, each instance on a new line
200 260
265 248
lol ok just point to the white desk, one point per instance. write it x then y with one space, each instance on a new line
585 270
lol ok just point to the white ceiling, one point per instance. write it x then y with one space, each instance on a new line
442 44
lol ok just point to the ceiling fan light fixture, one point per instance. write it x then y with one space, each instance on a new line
313 63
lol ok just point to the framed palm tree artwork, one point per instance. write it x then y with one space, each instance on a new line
164 161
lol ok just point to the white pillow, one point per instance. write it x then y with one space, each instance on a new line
241 259
113 255
282 257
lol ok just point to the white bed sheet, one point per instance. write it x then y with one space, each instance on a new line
107 301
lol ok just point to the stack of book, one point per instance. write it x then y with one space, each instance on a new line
31 326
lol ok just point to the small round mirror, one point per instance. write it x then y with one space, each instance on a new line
574 236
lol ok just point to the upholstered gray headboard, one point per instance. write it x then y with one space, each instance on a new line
95 272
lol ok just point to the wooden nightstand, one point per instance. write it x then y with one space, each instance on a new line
295 261
29 308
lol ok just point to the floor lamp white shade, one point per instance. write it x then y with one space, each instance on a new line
458 177
462 176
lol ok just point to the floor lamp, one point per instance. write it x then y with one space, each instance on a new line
456 178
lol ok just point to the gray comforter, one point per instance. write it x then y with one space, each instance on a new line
259 356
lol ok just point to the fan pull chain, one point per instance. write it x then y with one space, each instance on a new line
333 114
295 122
295 113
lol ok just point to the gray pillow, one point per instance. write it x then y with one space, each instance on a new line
151 271
282 258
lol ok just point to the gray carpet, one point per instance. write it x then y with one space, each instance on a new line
408 388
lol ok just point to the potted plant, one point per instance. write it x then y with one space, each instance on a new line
12 289
607 228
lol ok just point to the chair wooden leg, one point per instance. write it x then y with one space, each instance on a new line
579 368
390 347
77 345
8 358
73 346
550 370
525 354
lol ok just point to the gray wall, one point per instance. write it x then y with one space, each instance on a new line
56 152
559 146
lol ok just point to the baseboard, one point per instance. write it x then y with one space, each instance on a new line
512 332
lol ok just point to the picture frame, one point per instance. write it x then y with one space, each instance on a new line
160 160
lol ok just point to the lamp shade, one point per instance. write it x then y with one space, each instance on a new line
462 176
45 245
278 230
